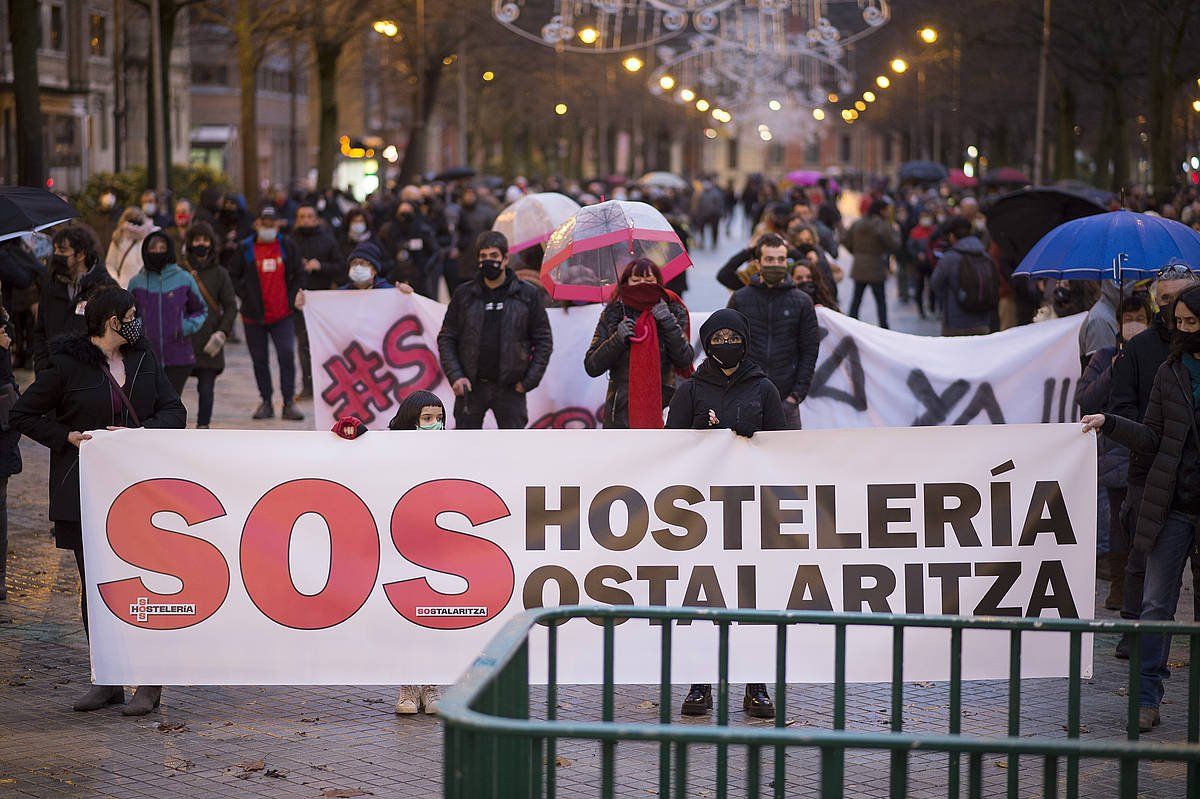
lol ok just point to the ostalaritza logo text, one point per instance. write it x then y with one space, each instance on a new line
143 609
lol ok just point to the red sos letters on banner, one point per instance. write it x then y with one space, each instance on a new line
269 557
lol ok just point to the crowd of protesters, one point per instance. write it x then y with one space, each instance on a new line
123 308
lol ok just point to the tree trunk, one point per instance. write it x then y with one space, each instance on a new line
168 12
248 59
1064 147
414 154
24 34
327 149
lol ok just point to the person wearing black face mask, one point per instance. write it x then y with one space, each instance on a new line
728 392
324 268
208 343
76 271
170 306
104 378
1170 508
783 325
1133 375
495 341
409 242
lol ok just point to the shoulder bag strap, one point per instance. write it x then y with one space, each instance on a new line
137 422
208 297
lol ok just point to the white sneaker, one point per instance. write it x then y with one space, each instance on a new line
409 701
430 694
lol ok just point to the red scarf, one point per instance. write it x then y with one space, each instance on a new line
645 366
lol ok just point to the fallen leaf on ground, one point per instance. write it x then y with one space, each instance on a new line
561 762
313 720
1002 764
170 726
178 764
274 772
345 793
252 765
647 704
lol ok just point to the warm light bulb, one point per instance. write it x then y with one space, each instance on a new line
818 114
928 35
972 151
883 81
666 82
899 66
847 114
633 64
588 35
833 98
560 109
860 105
869 96
489 75
709 133
687 95
702 105
775 105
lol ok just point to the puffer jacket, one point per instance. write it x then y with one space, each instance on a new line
784 337
1168 434
525 337
1091 395
609 352
172 310
872 240
73 394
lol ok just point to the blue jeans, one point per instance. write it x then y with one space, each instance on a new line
283 334
1164 578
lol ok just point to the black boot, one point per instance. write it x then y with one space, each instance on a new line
698 701
99 696
1116 586
1122 650
145 699
758 702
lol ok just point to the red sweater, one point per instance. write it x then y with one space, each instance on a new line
268 259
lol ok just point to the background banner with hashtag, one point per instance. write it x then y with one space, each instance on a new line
370 349
272 557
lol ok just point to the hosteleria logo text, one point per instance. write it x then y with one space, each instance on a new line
143 609
451 611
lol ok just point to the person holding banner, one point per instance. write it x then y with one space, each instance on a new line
106 378
729 391
641 340
1170 507
495 341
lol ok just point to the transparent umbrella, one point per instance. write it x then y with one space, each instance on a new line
530 220
586 254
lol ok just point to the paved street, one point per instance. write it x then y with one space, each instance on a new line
346 741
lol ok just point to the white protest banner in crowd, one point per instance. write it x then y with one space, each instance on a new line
371 348
272 557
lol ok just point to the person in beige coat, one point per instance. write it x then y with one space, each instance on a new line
872 240
124 258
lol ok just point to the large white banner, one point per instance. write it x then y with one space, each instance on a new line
371 348
270 557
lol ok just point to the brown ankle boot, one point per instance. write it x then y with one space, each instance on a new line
145 700
99 696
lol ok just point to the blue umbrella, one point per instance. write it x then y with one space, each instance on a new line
1118 245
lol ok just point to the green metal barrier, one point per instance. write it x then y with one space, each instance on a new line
494 749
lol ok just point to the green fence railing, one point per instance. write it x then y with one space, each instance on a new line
494 749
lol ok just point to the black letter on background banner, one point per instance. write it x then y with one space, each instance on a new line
657 577
772 517
914 588
1051 589
847 351
1006 575
747 587
669 513
937 515
984 401
937 406
827 535
538 517
855 594
731 499
594 585
809 580
704 581
1047 495
879 514
535 587
600 518
949 574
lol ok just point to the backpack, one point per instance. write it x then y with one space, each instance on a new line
978 285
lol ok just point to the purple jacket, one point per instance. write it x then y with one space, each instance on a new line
172 309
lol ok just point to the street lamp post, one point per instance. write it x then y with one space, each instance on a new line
1039 132
156 86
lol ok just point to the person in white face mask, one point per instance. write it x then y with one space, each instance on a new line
366 261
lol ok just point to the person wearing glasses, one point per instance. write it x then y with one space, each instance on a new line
1132 381
731 392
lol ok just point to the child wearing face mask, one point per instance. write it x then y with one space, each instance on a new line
420 410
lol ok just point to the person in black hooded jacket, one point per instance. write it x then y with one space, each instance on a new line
728 391
76 270
78 392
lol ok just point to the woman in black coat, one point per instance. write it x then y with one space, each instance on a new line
105 378
10 452
216 287
643 314
729 392
1170 508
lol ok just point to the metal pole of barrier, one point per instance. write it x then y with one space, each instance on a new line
975 775
837 761
952 766
1050 778
1014 708
608 747
1129 765
552 709
832 784
1073 690
753 772
680 770
722 706
664 711
780 704
1193 768
899 769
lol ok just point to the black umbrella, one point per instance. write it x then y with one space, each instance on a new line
922 172
492 182
1018 220
24 209
456 173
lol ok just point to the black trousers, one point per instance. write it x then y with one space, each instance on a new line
877 289
504 402
178 376
82 587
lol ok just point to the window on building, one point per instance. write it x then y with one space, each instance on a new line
98 35
210 74
812 152
846 151
732 154
57 30
775 154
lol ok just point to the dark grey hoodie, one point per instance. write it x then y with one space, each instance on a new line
945 285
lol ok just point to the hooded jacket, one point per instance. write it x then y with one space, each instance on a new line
124 257
170 305
945 284
1100 328
784 337
1167 435
609 352
525 336
73 394
872 240
745 401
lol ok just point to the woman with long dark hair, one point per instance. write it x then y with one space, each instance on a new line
642 341
1170 509
104 378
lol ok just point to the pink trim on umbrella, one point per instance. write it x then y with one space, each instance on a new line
603 293
525 245
607 240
